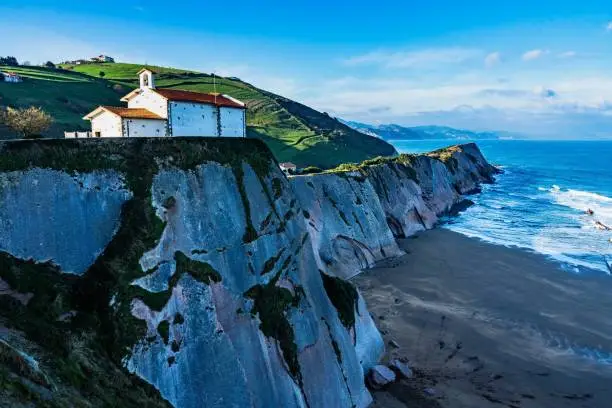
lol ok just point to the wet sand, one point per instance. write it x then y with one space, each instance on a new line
489 326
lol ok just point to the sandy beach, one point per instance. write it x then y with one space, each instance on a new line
490 326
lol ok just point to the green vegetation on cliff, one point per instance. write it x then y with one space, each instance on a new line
343 296
81 328
271 304
294 132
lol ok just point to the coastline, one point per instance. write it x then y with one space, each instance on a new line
488 326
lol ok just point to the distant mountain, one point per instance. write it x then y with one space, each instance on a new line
397 132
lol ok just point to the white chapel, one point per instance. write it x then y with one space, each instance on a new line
155 111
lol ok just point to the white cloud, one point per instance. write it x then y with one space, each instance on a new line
568 102
609 26
492 59
415 59
533 55
567 54
544 92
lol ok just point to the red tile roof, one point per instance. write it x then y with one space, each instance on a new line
198 97
132 113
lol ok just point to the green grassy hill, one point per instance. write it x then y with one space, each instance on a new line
294 132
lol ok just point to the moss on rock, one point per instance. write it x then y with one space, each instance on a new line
200 271
163 329
271 262
401 165
271 304
178 319
101 298
277 187
343 296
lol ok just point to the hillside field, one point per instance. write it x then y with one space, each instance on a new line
294 132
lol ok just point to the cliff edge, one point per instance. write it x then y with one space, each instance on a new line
192 272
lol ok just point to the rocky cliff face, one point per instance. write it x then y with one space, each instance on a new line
345 221
409 192
191 272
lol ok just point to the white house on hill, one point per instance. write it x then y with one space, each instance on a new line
155 111
10 77
103 58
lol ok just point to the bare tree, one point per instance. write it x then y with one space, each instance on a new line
29 122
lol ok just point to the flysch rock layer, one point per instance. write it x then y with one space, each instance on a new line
345 220
211 275
413 192
220 346
46 213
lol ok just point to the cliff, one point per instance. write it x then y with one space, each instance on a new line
192 272
345 220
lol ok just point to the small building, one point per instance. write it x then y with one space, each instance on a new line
11 77
153 112
288 168
103 58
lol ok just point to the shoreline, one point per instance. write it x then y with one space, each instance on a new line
566 265
486 325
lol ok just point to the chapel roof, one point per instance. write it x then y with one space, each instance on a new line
199 97
128 113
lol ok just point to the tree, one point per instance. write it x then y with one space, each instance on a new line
102 74
11 61
29 122
49 64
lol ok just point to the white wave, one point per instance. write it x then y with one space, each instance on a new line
570 246
601 205
561 230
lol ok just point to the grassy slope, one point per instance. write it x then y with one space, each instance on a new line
293 131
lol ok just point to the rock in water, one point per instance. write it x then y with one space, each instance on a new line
379 376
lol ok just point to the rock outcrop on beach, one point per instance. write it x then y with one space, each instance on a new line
192 272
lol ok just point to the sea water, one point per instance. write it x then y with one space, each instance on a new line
541 202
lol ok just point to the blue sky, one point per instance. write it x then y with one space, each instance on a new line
540 67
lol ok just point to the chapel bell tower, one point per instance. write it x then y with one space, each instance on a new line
147 79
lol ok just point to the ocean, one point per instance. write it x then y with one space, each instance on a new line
541 201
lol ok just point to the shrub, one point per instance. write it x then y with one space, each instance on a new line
10 61
311 170
27 122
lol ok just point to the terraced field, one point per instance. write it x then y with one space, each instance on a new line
294 132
